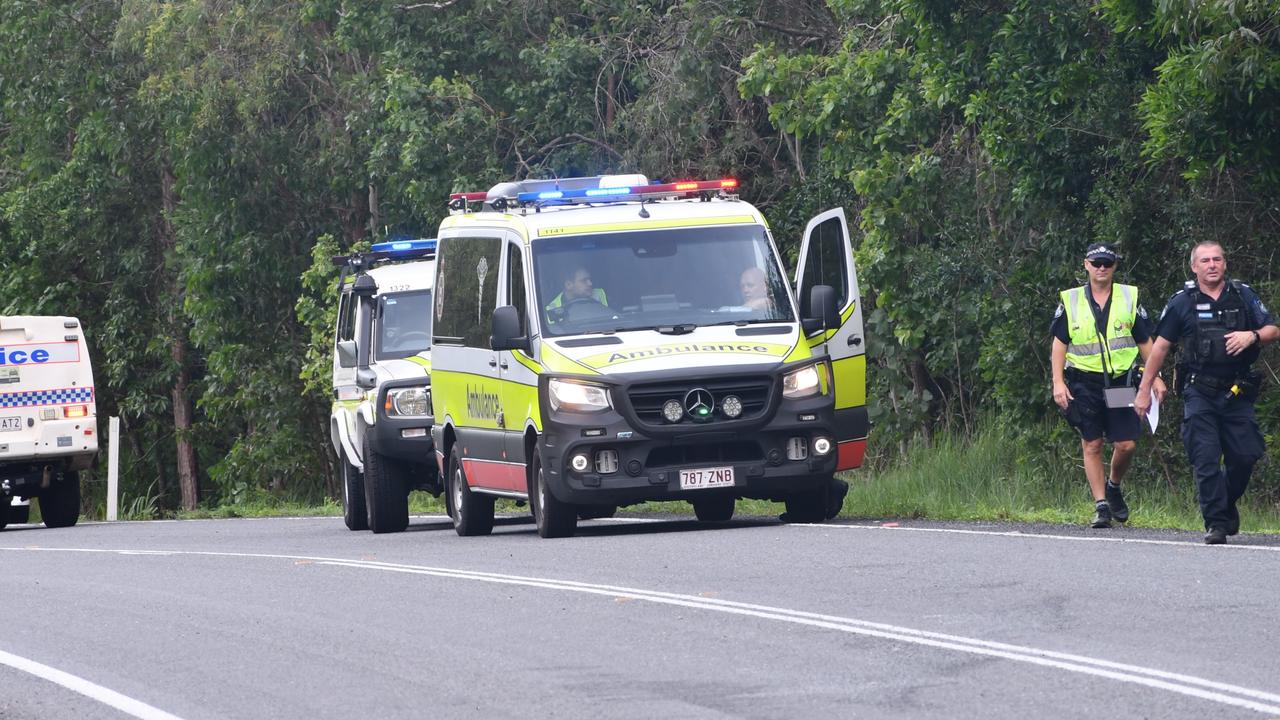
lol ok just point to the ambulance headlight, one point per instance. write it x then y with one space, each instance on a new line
805 382
577 397
409 401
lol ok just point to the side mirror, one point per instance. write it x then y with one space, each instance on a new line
346 353
824 314
366 378
506 330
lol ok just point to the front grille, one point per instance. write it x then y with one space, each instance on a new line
706 454
647 399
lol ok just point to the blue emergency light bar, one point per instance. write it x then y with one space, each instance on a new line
396 247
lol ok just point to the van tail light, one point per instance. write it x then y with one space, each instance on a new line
75 411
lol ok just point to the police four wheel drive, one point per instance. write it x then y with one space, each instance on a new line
605 341
48 422
381 416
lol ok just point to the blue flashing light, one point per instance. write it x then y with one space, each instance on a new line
599 192
550 195
404 246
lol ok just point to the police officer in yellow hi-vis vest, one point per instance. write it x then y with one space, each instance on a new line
1099 331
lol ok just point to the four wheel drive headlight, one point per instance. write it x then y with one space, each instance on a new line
576 396
805 382
408 401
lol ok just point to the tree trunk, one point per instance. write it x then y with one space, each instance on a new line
188 471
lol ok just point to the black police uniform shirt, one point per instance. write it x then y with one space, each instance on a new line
1142 329
1178 324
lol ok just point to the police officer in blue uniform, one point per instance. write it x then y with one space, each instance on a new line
1221 325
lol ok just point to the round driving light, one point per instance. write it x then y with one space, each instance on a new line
731 406
822 446
579 462
672 411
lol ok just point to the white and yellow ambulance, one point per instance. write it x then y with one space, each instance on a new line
48 417
380 420
606 341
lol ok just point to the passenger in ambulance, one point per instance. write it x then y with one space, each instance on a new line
755 289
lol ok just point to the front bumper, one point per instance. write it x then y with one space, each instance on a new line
388 436
650 457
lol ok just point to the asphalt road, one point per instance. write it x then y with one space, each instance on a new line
299 618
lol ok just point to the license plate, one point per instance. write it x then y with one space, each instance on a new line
10 423
706 478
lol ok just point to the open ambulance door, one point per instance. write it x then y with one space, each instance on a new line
826 258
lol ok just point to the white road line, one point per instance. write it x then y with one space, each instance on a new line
1043 536
123 703
1188 685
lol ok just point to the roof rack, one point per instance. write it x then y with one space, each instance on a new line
575 191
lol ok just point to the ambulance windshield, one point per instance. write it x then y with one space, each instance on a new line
404 324
659 278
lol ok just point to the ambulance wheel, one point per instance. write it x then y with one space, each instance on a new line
715 510
809 506
354 511
472 513
60 502
554 518
6 510
20 514
384 492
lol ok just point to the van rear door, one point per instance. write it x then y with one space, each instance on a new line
826 258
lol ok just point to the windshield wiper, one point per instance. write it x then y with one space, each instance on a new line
677 329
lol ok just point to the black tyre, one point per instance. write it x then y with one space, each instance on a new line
60 502
6 510
385 493
554 518
355 513
714 509
472 513
20 514
809 506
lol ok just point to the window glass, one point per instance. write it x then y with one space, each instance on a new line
466 290
515 284
658 278
825 263
346 317
404 324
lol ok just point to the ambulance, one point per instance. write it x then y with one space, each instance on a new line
605 341
48 419
380 420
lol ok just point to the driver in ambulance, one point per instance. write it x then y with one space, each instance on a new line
577 286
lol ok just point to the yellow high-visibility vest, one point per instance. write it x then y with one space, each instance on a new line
1085 351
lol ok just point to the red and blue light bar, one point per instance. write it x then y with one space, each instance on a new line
628 192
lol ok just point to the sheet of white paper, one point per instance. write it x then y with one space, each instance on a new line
1153 413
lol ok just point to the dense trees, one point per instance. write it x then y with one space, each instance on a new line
175 173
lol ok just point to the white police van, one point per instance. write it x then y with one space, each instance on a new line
48 419
605 341
380 420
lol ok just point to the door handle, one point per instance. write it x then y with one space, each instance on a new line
493 362
854 340
503 364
